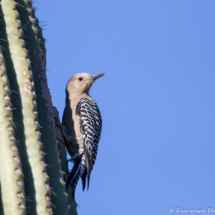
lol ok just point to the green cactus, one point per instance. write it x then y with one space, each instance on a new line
31 177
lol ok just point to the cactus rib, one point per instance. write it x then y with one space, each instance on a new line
12 183
25 81
32 149
36 47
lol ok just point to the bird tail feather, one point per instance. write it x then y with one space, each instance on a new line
83 177
78 171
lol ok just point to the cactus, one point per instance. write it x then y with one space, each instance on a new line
32 151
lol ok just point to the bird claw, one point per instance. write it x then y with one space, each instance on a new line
75 156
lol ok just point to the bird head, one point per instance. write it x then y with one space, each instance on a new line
81 82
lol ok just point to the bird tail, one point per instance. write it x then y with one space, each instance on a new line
83 177
78 171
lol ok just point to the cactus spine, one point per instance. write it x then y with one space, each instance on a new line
28 140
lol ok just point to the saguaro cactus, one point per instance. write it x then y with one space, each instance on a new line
31 177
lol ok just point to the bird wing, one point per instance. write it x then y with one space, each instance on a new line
90 124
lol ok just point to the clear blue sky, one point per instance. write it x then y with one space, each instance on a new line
157 99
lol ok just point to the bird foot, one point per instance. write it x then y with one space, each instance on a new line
64 131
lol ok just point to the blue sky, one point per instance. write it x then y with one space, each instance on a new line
157 98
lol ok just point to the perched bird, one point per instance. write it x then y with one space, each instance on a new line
83 122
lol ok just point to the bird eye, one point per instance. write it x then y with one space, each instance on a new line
80 79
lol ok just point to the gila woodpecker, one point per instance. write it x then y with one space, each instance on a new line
83 122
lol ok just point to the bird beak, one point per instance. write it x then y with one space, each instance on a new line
94 77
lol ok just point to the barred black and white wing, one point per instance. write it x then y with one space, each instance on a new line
90 125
